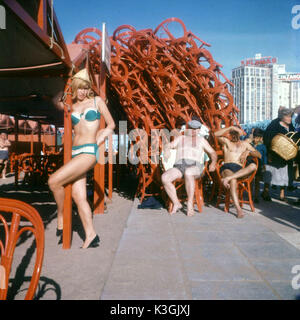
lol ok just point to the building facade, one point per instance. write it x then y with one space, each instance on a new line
261 85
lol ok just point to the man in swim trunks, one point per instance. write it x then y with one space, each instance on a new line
189 163
235 155
4 144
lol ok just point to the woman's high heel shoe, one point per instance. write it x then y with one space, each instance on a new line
59 233
94 243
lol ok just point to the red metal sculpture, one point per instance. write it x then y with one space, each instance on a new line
161 79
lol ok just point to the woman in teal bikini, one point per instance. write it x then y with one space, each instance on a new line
87 111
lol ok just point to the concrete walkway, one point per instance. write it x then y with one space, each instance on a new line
212 255
148 254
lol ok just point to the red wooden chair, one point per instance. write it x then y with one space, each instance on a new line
13 229
243 185
180 188
149 176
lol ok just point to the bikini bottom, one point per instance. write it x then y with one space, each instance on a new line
88 148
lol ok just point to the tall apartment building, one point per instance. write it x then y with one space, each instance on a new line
261 85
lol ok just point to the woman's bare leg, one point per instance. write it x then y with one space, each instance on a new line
84 210
282 190
68 173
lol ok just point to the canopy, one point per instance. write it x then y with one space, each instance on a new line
34 62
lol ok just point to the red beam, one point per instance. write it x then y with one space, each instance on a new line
99 170
42 15
67 223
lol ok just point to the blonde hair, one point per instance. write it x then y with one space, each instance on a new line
81 84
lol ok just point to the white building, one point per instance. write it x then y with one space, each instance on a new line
289 89
261 85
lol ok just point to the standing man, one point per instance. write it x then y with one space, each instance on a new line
189 163
4 144
235 154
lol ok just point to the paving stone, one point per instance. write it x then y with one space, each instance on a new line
272 250
275 269
232 290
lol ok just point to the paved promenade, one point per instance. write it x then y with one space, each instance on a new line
212 255
148 254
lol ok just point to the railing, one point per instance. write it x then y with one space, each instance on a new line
36 168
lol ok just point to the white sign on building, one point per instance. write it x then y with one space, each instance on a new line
261 86
289 77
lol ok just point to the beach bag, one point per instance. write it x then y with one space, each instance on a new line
285 146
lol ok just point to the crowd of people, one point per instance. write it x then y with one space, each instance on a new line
238 162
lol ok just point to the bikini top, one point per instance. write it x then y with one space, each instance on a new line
89 114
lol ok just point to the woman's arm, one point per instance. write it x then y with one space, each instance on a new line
110 124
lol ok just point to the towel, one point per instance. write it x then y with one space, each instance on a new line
150 203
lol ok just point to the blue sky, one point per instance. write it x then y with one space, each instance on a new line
236 29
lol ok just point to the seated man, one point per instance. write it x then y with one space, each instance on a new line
189 163
235 154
